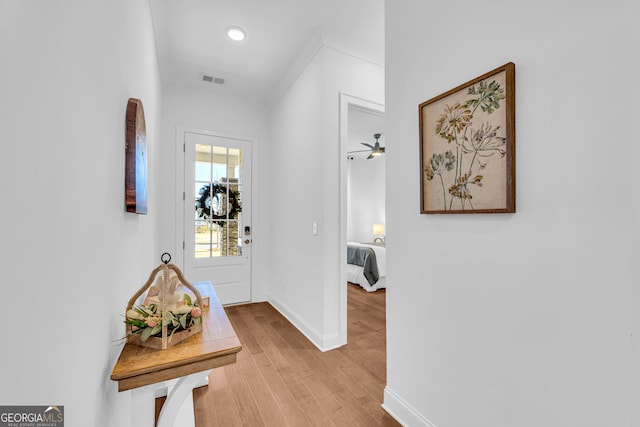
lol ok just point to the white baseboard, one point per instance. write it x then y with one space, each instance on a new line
323 342
404 413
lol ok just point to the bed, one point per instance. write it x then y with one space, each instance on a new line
367 265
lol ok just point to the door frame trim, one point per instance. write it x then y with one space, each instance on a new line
179 231
347 101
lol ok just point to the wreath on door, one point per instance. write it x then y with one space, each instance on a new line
217 203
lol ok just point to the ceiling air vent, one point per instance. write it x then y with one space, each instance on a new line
210 79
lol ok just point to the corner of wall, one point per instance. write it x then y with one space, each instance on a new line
308 52
322 342
404 413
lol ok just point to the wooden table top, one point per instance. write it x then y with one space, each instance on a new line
217 345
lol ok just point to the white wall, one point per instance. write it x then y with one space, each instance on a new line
70 255
207 109
525 319
305 168
296 176
366 198
635 255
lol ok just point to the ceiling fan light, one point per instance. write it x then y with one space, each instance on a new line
375 150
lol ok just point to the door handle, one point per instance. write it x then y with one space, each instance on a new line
247 241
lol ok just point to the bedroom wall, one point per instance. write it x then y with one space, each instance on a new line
209 109
305 163
70 255
366 198
524 319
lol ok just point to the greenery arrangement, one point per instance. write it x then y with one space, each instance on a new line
474 139
147 320
217 203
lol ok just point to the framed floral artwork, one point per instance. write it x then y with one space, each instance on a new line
467 147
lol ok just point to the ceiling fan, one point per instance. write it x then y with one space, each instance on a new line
376 150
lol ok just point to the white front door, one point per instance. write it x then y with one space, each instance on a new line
217 214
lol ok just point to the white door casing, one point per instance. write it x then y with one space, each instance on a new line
347 102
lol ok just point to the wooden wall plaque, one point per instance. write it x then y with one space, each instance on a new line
136 158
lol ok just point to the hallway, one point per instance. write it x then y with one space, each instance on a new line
281 379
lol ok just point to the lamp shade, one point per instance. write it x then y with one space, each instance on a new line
378 229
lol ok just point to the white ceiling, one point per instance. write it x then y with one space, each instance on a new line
191 39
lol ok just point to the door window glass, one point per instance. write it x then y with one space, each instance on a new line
218 201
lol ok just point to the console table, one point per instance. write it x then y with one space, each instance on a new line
144 371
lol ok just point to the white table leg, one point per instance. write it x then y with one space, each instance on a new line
180 402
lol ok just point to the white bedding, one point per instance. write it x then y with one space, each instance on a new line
355 272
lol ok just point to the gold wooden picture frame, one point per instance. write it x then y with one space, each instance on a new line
467 147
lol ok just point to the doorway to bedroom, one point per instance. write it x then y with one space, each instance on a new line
363 218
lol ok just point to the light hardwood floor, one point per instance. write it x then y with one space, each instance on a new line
281 379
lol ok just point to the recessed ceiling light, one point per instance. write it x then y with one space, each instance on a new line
236 33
